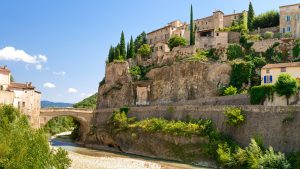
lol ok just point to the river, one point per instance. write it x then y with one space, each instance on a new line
85 158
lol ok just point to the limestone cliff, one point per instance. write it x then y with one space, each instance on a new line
167 84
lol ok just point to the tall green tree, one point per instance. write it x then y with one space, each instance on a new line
192 33
131 53
111 54
128 48
123 46
117 55
251 16
140 40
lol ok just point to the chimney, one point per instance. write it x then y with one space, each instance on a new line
29 84
5 67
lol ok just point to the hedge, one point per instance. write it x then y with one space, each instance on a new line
258 94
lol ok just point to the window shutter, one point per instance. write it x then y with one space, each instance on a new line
271 79
265 79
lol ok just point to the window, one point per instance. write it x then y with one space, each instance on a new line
288 29
283 30
268 79
298 16
217 34
268 71
288 18
283 69
1 87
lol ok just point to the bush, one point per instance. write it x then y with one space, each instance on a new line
234 116
87 103
258 94
286 86
294 159
268 35
199 56
230 91
176 41
60 124
288 35
296 50
234 51
241 73
144 50
267 19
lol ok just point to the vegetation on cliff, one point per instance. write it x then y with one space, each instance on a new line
176 41
22 147
87 103
60 124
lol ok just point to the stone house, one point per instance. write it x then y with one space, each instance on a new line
270 72
22 96
290 19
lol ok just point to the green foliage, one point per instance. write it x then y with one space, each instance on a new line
296 50
199 56
87 103
131 49
235 116
268 35
111 54
286 85
271 53
251 15
241 73
287 35
140 40
144 50
234 51
294 159
24 148
176 41
122 45
192 31
267 19
135 71
60 124
212 54
252 157
230 91
258 94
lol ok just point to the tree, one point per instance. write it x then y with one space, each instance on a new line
140 40
251 15
117 55
192 33
267 19
144 50
111 54
123 46
128 47
176 41
131 53
286 86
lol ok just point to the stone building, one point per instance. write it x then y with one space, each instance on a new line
270 72
22 96
290 19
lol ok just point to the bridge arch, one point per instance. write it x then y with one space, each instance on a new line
83 116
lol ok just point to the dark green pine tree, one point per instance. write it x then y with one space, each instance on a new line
111 54
123 46
117 55
127 49
251 16
131 49
192 33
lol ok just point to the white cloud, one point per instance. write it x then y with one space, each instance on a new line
38 67
49 85
62 73
72 90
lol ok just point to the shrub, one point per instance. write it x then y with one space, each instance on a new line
268 35
176 41
230 91
234 116
136 72
258 94
234 51
286 86
273 160
144 50
288 35
199 56
267 19
294 159
296 50
241 73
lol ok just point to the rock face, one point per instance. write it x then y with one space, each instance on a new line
178 82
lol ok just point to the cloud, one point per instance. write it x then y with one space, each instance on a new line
49 85
62 73
38 67
72 90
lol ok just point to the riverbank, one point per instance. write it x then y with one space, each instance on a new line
83 158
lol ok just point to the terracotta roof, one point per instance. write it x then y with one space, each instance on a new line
279 65
21 86
289 5
4 70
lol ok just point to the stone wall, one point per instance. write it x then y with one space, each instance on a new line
266 122
6 97
262 31
264 45
234 37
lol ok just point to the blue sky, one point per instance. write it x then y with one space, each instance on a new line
75 35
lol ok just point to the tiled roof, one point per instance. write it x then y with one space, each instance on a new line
21 86
279 65
289 5
4 70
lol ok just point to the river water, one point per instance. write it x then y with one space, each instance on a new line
85 158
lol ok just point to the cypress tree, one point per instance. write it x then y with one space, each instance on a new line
111 54
192 33
131 49
117 55
128 50
123 46
251 15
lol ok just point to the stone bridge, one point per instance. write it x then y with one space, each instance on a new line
83 116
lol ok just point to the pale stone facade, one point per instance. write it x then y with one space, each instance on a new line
22 96
290 19
270 72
